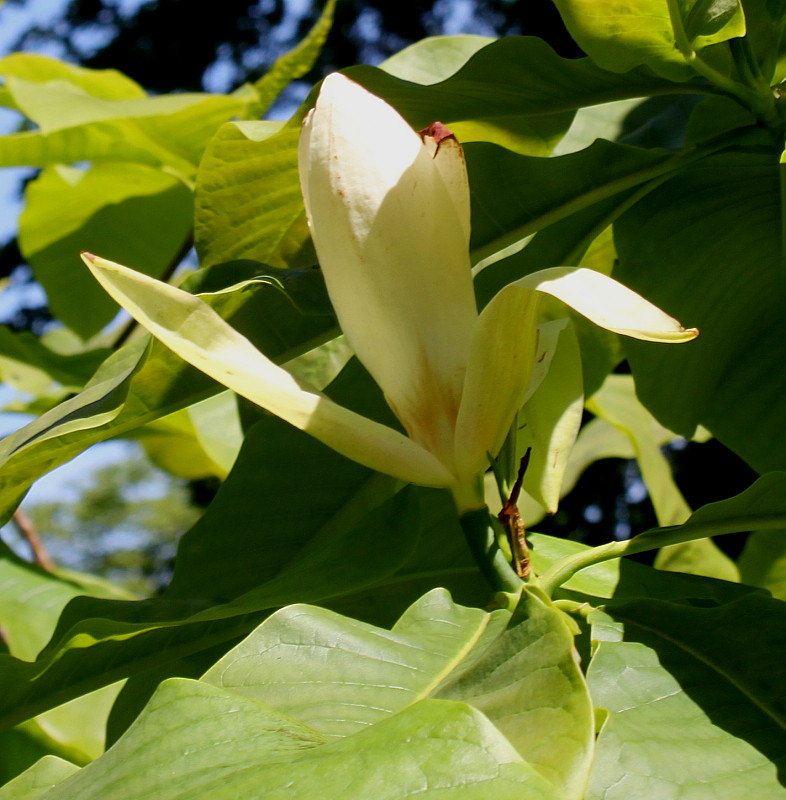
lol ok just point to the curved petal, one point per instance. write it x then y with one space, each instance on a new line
390 229
503 353
608 303
190 327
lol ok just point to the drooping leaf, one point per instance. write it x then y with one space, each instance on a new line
616 403
196 442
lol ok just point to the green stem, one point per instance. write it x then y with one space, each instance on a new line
481 533
564 570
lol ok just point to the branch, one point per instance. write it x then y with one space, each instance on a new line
28 531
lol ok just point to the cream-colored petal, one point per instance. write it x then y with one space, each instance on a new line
504 349
190 327
448 157
393 244
608 303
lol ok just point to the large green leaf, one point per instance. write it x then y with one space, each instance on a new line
248 202
515 92
435 58
664 35
706 246
695 697
108 84
30 602
504 215
339 676
75 125
128 212
38 780
194 740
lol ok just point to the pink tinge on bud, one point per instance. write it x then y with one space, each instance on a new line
438 132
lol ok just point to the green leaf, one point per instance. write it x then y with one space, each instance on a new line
38 780
171 130
340 676
434 58
761 506
292 65
27 363
129 212
87 143
549 422
515 92
108 84
248 202
616 403
695 700
763 561
30 602
664 35
624 578
200 441
503 218
706 247
230 746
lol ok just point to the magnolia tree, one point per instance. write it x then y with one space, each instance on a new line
406 297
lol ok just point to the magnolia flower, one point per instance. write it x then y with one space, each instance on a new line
389 214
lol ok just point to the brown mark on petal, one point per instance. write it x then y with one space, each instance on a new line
438 132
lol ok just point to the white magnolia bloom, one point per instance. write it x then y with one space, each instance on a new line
389 214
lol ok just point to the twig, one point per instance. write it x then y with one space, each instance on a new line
26 528
511 521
